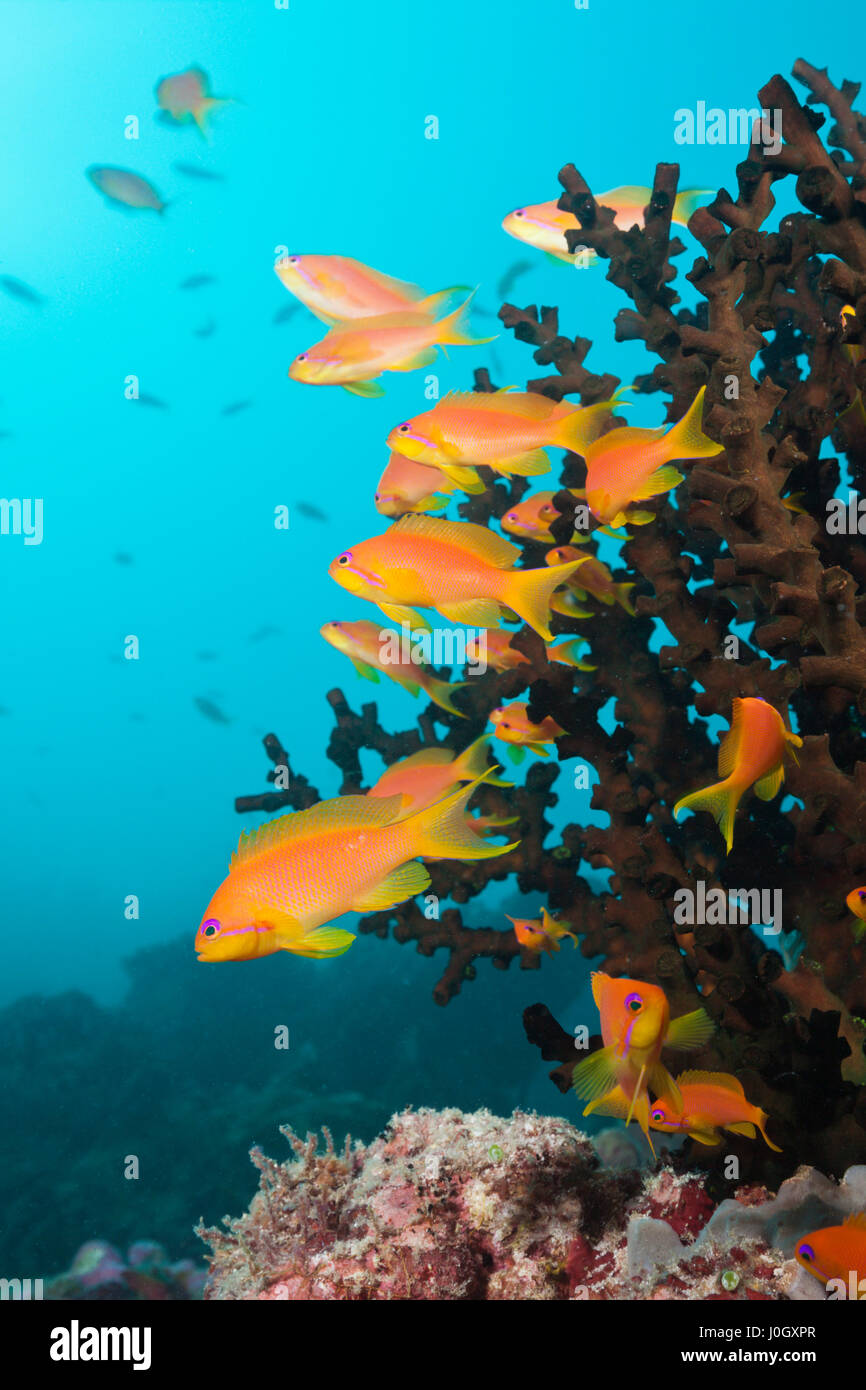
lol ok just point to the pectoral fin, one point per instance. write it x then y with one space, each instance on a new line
768 786
319 944
370 389
368 672
595 1076
399 613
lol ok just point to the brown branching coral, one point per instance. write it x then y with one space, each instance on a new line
747 539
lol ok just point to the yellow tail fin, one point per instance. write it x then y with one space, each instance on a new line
529 593
440 693
455 328
721 800
686 439
442 831
472 763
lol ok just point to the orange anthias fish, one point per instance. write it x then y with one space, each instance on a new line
543 225
463 571
709 1102
593 577
338 289
428 775
373 649
292 876
509 431
635 1025
514 727
184 97
530 519
542 934
856 901
836 1252
353 354
407 486
630 465
500 653
752 752
123 187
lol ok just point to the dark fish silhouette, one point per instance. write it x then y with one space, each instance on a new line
307 509
192 171
123 557
261 633
235 408
145 398
206 329
210 710
482 313
513 273
195 282
287 312
6 434
18 290
206 656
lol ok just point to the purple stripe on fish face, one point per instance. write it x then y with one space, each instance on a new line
406 433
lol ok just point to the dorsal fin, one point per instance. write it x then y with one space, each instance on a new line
339 813
475 540
730 745
425 757
529 405
857 1220
405 318
711 1078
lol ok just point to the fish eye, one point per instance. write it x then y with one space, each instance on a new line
503 725
345 558
512 516
518 212
634 1003
293 260
861 892
806 1252
301 357
404 429
210 927
657 1115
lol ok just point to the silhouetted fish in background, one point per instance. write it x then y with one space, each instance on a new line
192 171
210 710
122 557
307 509
513 273
261 633
206 330
126 189
235 408
195 282
17 289
287 312
6 434
206 656
145 398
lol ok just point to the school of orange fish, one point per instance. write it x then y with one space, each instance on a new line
290 879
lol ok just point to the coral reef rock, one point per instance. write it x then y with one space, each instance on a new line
448 1205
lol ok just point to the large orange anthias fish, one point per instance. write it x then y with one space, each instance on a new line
368 647
508 431
543 225
635 1026
461 570
354 353
751 753
426 776
630 465
291 877
338 288
836 1252
709 1102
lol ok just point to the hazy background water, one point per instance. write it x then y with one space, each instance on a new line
114 782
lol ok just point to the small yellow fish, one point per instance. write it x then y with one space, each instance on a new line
123 187
373 649
184 97
752 753
531 518
593 577
543 225
353 355
338 289
463 571
513 726
541 935
407 486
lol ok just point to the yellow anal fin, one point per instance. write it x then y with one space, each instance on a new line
768 786
424 357
710 1137
321 943
476 612
743 1127
403 883
528 465
636 517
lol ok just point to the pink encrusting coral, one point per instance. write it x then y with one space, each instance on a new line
99 1272
449 1205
